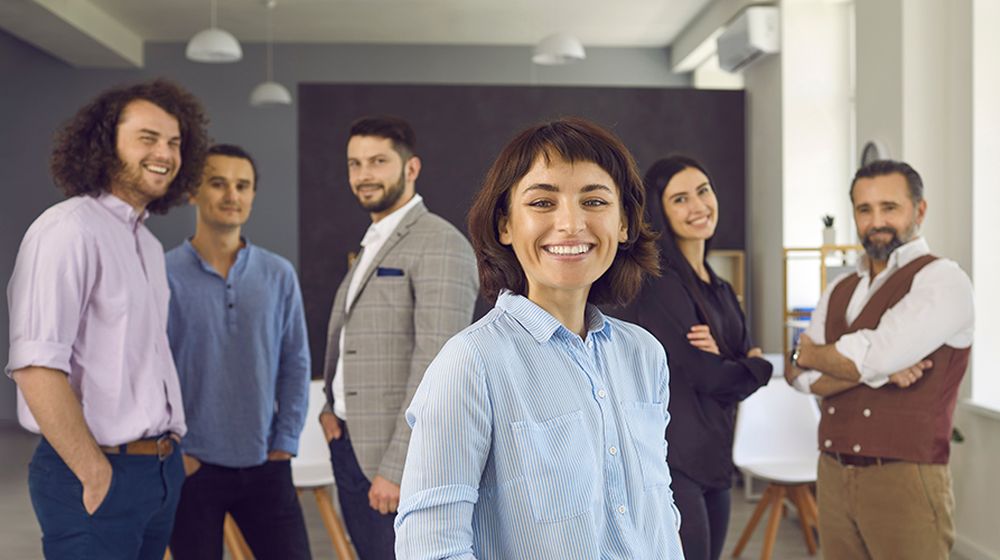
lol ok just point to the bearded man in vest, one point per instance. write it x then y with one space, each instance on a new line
887 349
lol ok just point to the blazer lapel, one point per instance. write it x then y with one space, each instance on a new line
397 235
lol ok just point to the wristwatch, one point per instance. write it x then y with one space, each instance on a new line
794 357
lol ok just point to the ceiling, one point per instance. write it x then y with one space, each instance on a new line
612 23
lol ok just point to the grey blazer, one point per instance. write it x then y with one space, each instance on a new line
395 327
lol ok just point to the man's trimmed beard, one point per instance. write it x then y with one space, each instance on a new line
879 251
392 194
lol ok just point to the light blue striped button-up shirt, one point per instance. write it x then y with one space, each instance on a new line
530 442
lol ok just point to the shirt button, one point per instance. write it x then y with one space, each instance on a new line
590 344
602 393
621 509
867 412
613 450
229 286
827 443
230 306
831 410
856 448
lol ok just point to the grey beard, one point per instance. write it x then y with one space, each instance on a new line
878 252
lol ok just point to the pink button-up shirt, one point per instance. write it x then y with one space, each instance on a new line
89 297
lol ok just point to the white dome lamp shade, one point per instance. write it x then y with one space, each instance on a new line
213 45
558 48
270 92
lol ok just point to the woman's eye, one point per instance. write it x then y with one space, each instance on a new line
595 202
541 203
680 200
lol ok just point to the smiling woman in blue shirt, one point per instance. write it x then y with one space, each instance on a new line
538 430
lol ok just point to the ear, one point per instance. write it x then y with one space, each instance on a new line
412 168
921 211
623 234
503 231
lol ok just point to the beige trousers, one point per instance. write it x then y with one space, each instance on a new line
897 510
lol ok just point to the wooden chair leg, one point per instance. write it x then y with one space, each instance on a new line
804 516
333 525
235 543
810 501
772 524
765 500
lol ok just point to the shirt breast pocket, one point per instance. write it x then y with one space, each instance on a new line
558 466
647 426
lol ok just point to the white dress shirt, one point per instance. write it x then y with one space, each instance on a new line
376 236
937 311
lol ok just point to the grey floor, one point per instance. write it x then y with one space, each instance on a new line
19 533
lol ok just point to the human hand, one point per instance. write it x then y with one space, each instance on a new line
331 426
383 496
96 486
191 464
755 352
279 455
906 377
700 337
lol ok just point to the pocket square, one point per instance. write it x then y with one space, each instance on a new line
383 271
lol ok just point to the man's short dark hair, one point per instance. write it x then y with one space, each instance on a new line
234 151
397 130
884 167
573 140
85 155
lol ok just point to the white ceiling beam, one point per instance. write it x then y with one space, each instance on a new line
74 31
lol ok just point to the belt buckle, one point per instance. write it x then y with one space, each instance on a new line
161 442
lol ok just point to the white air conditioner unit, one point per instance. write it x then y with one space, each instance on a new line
751 35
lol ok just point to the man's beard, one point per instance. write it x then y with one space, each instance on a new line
129 177
881 251
391 195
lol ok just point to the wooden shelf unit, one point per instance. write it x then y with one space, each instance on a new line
792 319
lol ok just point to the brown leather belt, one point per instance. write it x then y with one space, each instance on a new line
161 447
859 460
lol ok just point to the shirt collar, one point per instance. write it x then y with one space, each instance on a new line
122 210
241 256
903 255
383 228
542 325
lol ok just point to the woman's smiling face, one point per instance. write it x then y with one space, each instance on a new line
690 206
564 223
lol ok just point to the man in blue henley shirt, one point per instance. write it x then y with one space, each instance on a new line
238 335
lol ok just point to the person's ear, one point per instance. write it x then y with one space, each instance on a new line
503 231
412 168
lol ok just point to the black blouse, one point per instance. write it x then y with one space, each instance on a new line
704 388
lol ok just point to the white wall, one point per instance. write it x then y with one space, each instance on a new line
818 163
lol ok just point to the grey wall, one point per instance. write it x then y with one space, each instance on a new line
38 92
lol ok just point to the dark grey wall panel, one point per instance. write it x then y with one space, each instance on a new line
461 129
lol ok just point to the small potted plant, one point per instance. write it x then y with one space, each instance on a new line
829 234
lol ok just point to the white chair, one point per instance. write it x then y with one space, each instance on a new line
776 441
311 470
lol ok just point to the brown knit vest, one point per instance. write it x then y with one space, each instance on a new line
912 424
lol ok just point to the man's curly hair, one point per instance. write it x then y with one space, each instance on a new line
85 155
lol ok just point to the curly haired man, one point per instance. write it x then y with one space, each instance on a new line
88 315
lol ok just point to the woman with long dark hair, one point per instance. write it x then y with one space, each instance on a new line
713 364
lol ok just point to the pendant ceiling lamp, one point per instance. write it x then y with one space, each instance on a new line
214 45
270 92
558 48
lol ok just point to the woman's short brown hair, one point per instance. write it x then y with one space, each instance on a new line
85 156
573 140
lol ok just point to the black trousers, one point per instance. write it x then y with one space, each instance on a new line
704 516
371 532
262 501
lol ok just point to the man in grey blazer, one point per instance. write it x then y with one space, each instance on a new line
412 287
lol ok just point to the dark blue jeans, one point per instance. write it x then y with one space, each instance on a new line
133 521
262 501
371 532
